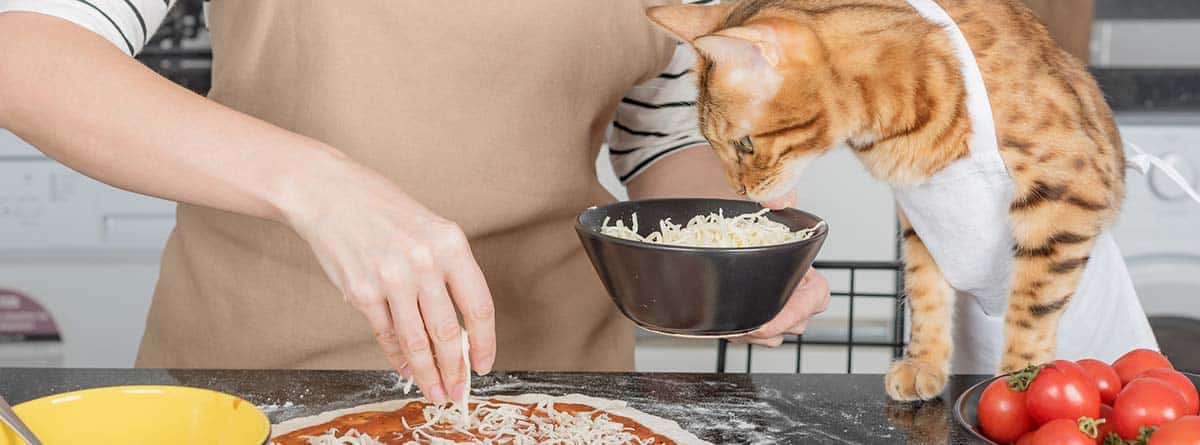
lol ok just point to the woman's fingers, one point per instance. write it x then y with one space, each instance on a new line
402 300
442 324
470 292
810 298
380 319
773 342
795 314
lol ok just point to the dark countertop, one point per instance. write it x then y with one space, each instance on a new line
721 408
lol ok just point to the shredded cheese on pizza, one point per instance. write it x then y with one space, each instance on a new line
503 423
714 230
496 423
352 437
466 354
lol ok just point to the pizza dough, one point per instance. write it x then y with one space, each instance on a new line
657 425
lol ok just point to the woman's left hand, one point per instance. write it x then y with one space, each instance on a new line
810 298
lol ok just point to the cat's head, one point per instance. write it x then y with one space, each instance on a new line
763 93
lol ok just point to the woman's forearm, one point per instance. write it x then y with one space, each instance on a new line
88 105
694 172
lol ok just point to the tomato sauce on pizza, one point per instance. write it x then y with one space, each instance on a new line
421 422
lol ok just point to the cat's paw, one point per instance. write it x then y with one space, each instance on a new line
1011 363
1007 367
908 380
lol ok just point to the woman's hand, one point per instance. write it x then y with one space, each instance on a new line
810 298
404 268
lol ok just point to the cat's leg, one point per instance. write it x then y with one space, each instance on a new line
1055 231
921 374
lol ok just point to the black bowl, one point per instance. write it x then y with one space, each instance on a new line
696 291
966 408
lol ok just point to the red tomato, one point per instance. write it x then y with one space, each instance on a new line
1002 413
1106 378
1184 384
1062 432
1134 362
1106 426
1062 390
1148 401
1026 439
1183 431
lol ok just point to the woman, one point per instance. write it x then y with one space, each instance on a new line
400 155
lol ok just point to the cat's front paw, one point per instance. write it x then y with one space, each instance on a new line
1014 362
1007 367
908 380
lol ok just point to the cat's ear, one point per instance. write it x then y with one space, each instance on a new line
740 47
687 22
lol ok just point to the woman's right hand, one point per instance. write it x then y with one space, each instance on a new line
404 268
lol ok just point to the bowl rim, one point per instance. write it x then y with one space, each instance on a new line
49 399
822 231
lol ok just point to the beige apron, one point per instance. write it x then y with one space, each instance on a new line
490 113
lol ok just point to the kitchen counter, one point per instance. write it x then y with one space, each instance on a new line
721 408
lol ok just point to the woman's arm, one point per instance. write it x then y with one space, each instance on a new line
84 102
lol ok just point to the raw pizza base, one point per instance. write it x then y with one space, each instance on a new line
658 425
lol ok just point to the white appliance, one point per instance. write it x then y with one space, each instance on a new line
86 252
1159 227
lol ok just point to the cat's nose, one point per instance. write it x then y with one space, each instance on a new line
781 203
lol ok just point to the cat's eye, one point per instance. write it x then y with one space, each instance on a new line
744 145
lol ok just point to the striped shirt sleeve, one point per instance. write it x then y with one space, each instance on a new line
657 117
128 24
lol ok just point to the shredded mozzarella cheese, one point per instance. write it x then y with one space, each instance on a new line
504 423
714 230
466 354
494 423
352 437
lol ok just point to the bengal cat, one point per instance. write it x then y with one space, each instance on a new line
783 81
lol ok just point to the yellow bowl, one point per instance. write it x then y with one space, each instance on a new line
139 415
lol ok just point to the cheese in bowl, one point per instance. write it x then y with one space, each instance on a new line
714 230
713 276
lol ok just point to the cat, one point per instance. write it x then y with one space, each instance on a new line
781 82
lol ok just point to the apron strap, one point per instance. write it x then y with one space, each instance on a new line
984 143
1143 162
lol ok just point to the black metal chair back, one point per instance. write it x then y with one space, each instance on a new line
851 292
